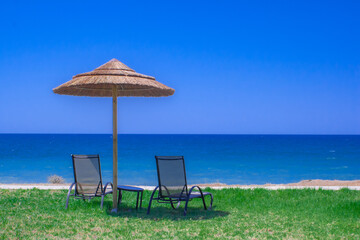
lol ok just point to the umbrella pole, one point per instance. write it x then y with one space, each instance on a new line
115 146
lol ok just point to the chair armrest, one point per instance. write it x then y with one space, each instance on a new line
154 191
192 188
202 195
106 185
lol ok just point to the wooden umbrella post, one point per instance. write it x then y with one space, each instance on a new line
115 150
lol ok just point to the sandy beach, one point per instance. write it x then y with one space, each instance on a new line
316 184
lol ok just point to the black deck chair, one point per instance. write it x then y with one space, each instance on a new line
88 182
172 186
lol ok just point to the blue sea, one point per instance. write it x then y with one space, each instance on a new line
231 159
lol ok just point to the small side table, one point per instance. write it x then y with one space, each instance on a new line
130 189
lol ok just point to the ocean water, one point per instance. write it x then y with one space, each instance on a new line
231 159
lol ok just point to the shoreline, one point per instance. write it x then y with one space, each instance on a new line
314 184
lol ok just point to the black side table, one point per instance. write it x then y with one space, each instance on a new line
130 189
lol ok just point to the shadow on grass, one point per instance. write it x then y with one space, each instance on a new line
158 212
162 212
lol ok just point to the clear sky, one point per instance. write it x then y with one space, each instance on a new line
237 67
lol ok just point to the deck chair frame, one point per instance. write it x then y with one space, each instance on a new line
185 194
77 185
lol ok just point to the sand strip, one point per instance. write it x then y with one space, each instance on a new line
313 184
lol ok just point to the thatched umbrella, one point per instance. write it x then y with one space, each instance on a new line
114 79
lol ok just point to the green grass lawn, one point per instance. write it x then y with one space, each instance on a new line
238 214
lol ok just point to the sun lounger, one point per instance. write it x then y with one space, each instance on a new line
88 182
172 186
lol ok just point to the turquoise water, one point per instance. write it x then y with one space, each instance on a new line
231 159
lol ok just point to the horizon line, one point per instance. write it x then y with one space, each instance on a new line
278 134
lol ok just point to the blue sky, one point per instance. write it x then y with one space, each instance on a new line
238 67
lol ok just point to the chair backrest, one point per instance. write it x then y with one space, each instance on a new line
171 176
87 175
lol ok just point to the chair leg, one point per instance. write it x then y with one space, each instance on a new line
68 195
102 201
151 198
67 201
186 204
211 202
137 200
187 201
172 205
119 198
141 199
203 199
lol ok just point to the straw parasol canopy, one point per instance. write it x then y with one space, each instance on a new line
114 79
100 82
